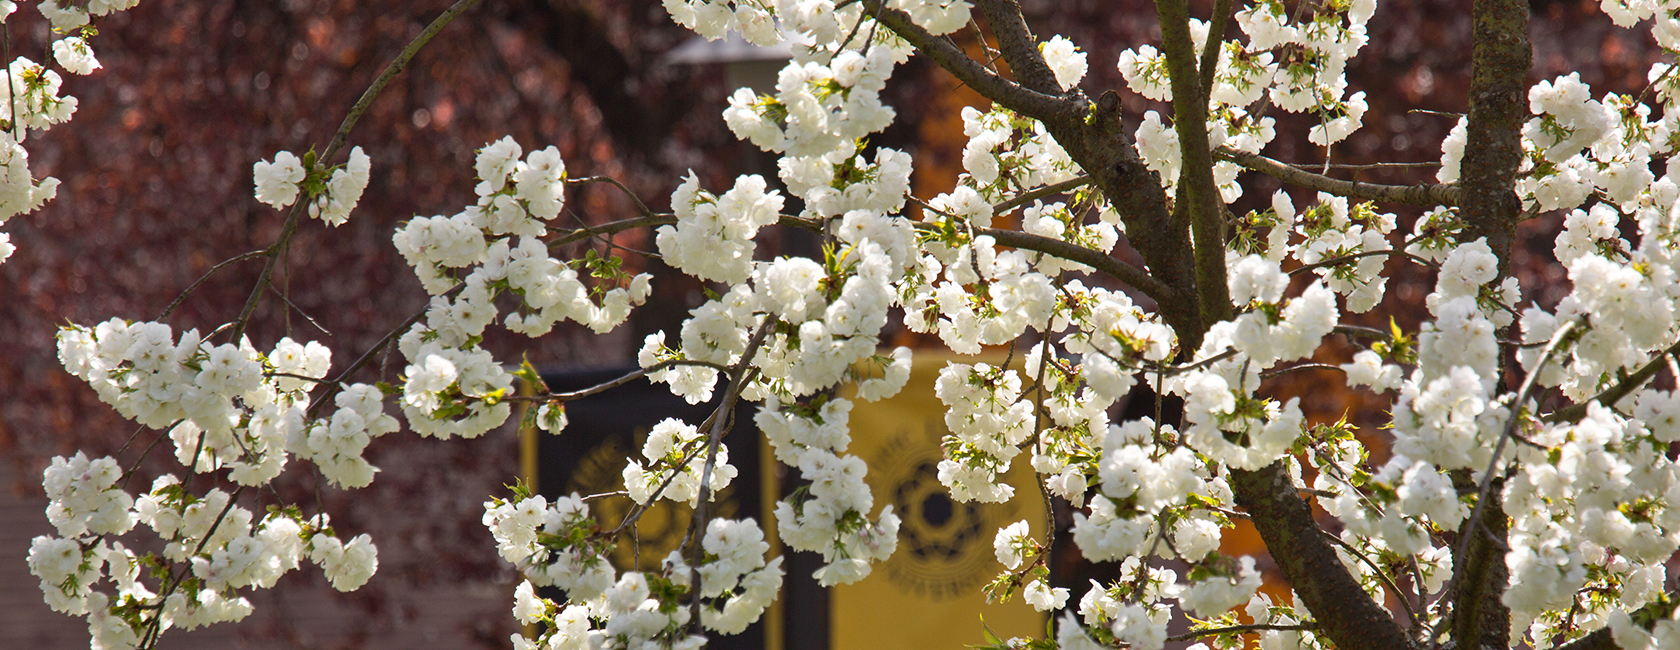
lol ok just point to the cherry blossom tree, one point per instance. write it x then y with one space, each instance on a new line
1525 498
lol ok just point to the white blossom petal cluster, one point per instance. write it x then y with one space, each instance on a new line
69 16
1065 61
452 387
1586 489
556 544
988 422
332 198
1145 70
832 518
1023 558
1611 527
1349 241
737 582
1005 153
30 100
452 391
344 190
225 407
676 455
713 236
1056 221
939 17
33 100
224 545
982 296
818 110
73 54
714 19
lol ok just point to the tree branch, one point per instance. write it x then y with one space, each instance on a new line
1382 575
1100 261
1600 639
741 373
615 382
367 356
657 219
1019 47
361 106
1240 629
191 287
1500 60
1644 618
1215 41
1344 612
1424 195
1007 93
1202 208
1613 394
1094 138
1039 193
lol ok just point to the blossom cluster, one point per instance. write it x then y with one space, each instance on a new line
331 193
225 548
1586 489
559 544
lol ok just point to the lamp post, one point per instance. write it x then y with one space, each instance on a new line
744 64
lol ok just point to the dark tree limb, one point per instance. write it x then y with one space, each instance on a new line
1019 46
1105 150
1343 610
1095 139
973 74
1645 618
1615 393
1039 193
1424 195
1103 262
1500 61
1600 639
1201 207
1222 10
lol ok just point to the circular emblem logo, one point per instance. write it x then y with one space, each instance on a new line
944 547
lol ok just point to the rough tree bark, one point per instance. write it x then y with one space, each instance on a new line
1489 204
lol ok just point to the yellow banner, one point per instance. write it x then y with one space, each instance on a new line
928 595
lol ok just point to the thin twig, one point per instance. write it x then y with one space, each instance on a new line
367 356
640 206
1424 195
297 309
1268 374
1239 629
339 138
219 266
1367 166
1343 259
1362 332
736 384
11 87
614 383
1039 193
1613 394
1381 575
154 628
1044 352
